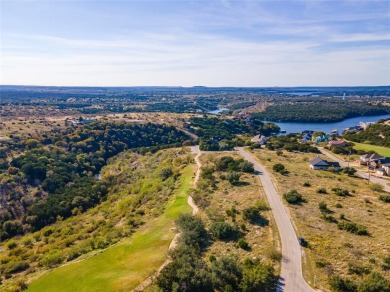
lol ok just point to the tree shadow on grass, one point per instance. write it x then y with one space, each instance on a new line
242 184
260 221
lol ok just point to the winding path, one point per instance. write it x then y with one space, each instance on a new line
190 201
360 173
291 278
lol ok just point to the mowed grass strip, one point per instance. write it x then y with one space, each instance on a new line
384 151
124 266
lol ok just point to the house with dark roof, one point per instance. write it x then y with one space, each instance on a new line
318 163
370 158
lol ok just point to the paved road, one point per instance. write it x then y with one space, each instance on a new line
291 278
360 173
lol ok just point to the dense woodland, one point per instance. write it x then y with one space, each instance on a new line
56 176
289 143
321 110
216 128
376 134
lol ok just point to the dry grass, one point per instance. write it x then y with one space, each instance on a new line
26 122
327 243
262 240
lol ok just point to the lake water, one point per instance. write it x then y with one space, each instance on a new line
328 127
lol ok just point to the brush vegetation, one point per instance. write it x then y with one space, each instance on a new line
344 222
136 194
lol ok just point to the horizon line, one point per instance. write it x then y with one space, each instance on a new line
193 86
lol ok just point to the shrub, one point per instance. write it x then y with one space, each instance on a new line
243 244
246 166
385 198
166 173
52 258
233 177
329 218
276 256
185 273
338 205
349 170
352 228
15 267
251 214
354 268
339 284
374 282
262 206
323 207
223 230
193 230
322 264
386 263
376 187
278 167
11 244
226 272
293 197
258 277
341 192
306 184
322 191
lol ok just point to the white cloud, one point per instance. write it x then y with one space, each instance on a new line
241 43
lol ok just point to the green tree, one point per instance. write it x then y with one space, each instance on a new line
233 177
278 167
293 197
374 282
338 284
226 272
258 277
223 230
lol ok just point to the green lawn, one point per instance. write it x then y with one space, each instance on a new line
124 266
385 151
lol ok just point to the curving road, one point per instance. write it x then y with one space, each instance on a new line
291 278
360 173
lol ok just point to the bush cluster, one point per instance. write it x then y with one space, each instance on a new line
352 228
189 272
293 197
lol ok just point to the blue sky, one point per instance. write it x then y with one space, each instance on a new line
187 43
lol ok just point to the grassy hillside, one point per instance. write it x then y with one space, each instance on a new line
385 151
124 266
141 190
